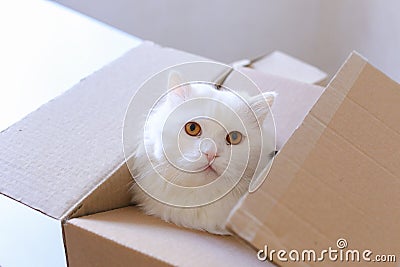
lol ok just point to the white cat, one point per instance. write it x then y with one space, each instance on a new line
204 145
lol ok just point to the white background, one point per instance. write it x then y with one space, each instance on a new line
321 32
44 50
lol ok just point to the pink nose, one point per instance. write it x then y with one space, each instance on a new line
208 148
210 156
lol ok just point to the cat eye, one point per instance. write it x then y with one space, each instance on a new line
233 138
193 128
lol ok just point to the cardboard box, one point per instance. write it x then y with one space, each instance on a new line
337 178
65 164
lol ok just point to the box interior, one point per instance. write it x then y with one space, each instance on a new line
281 64
76 139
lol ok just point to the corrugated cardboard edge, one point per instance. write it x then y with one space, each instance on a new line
241 221
82 244
149 237
107 192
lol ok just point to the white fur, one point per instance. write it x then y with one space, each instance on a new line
169 149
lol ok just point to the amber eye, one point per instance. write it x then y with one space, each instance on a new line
233 138
192 128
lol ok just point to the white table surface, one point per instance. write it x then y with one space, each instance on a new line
44 50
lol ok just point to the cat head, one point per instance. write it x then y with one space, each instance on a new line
199 133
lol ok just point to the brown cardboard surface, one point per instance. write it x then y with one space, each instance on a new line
127 237
58 155
337 176
86 248
283 65
295 99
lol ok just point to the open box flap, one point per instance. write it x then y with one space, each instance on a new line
338 175
56 156
128 231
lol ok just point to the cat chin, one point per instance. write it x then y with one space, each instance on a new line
209 218
211 170
202 178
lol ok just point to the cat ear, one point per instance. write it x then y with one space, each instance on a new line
180 92
260 104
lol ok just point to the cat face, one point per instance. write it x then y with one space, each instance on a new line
204 134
